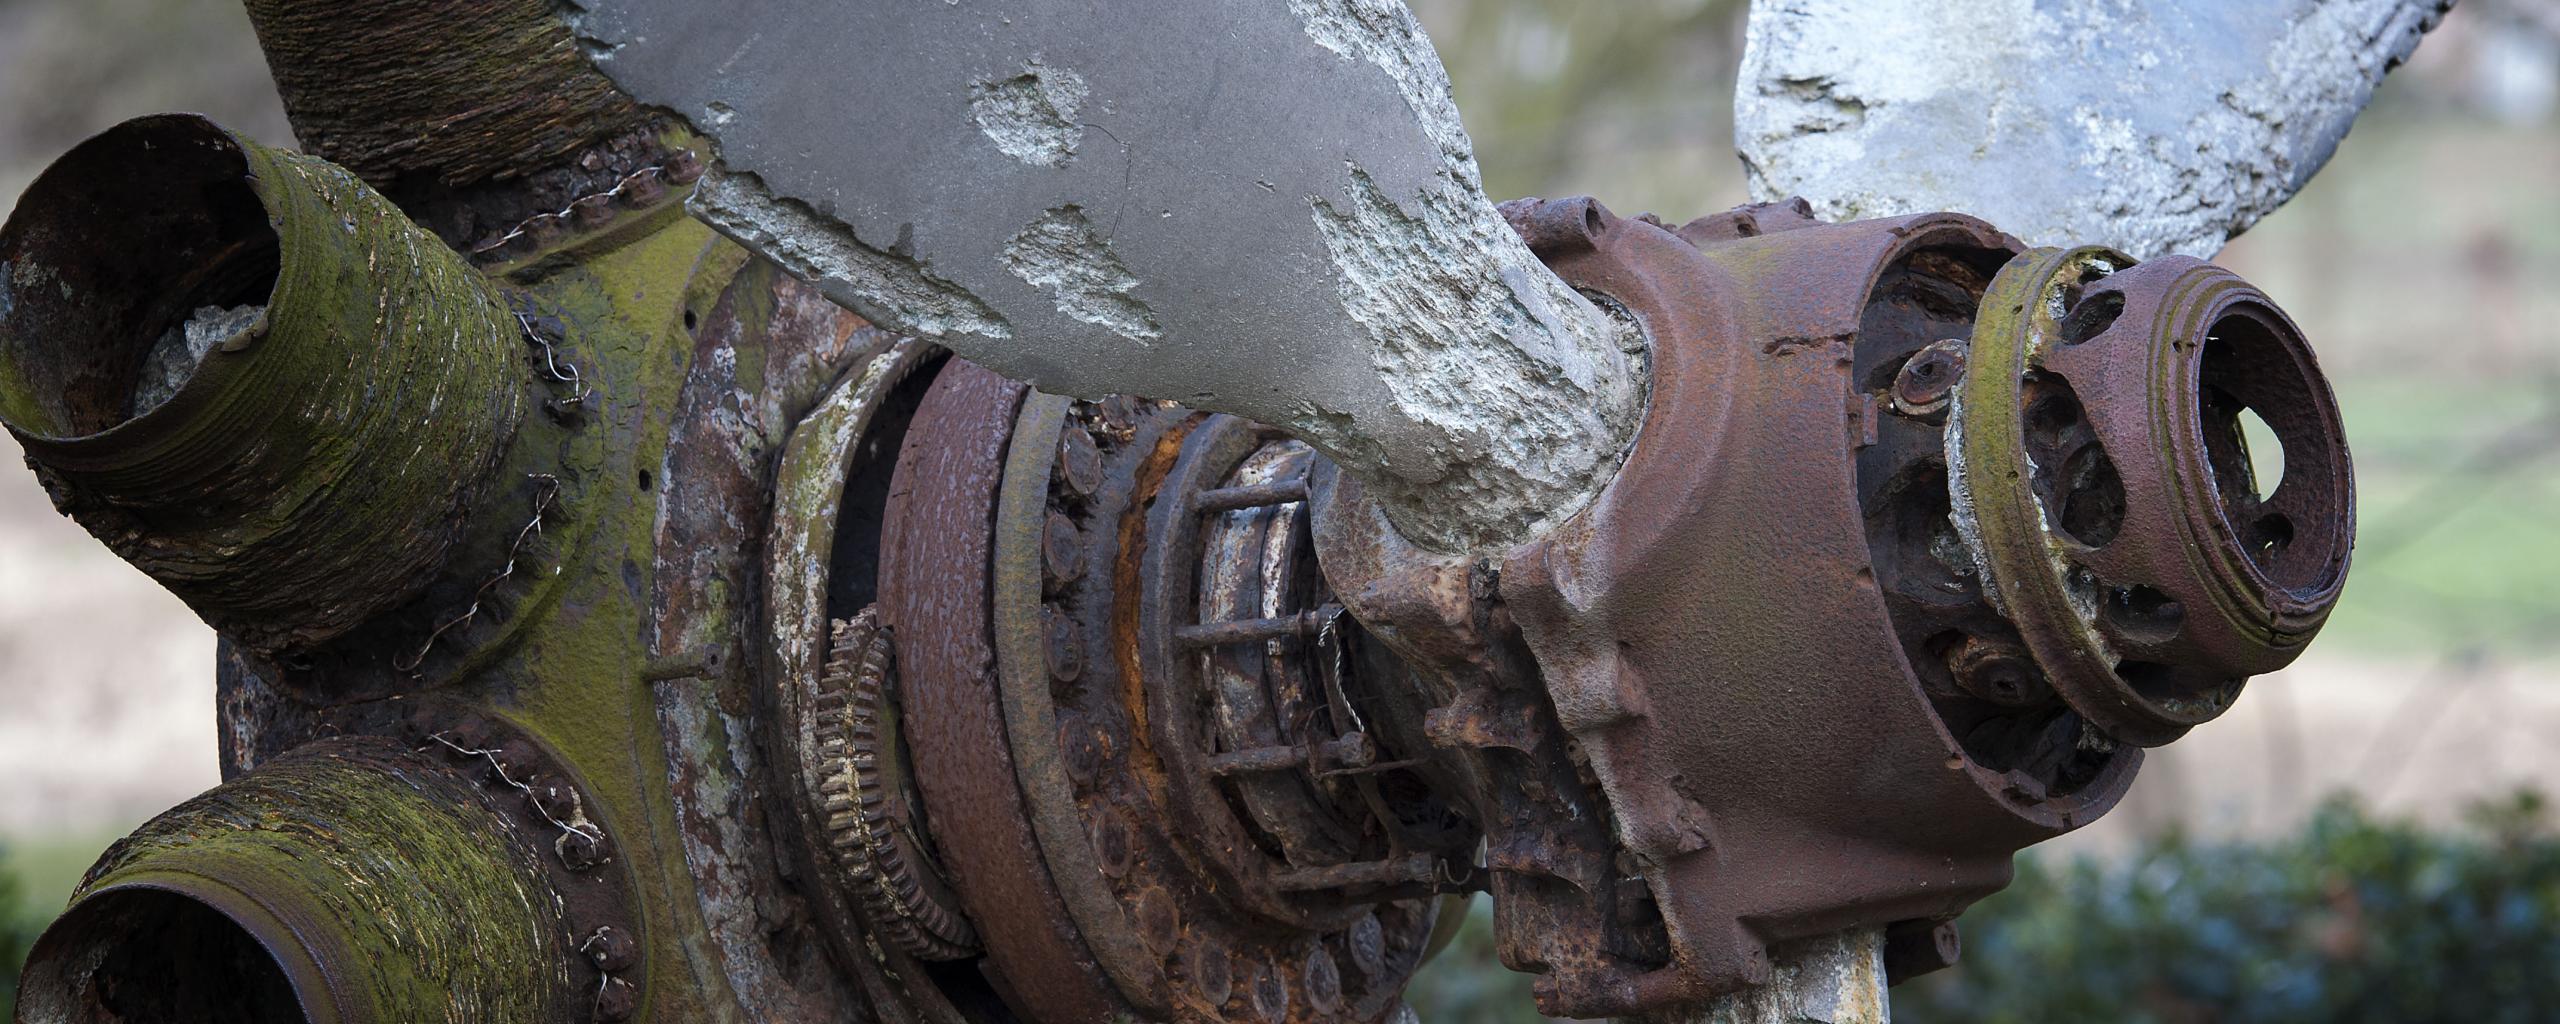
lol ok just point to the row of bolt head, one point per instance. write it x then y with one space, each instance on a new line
641 190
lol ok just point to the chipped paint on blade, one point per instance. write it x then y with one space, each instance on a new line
1280 218
1060 253
2154 128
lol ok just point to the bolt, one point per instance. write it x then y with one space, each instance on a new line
1255 760
644 189
1211 974
1928 378
1324 982
611 948
515 761
1061 552
1352 750
1063 649
583 850
545 231
1159 921
683 167
1077 748
1997 671
1118 414
1111 843
1079 461
551 798
1270 994
592 211
617 1000
1412 869
1367 944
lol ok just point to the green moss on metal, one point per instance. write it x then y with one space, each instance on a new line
310 478
412 896
575 680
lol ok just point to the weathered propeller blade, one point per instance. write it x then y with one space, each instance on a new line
1253 207
2159 127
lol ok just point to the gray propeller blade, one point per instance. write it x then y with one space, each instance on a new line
2164 126
1254 206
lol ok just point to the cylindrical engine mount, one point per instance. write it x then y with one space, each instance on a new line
355 881
251 376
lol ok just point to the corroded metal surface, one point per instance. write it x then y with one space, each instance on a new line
762 352
307 473
1728 659
376 881
875 828
1564 906
2117 513
801 672
1795 637
477 116
934 564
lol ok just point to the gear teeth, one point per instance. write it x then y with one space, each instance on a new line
883 865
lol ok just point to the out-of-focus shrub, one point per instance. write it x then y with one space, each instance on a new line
1467 984
16 933
2351 920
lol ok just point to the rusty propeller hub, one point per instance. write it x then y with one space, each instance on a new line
1925 536
2117 513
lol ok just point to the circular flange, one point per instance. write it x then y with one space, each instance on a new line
2103 482
1110 514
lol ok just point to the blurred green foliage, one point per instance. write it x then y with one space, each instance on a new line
1629 100
1468 983
17 932
2351 920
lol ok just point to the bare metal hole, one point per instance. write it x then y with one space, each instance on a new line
2145 614
2270 535
153 957
132 231
2266 446
2052 415
2266 451
2093 504
2151 679
2091 318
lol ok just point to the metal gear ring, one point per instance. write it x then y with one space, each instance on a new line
870 814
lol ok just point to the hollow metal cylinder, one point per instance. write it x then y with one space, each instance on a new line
308 467
354 881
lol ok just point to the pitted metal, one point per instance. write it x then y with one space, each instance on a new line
979 703
874 822
2115 511
1189 908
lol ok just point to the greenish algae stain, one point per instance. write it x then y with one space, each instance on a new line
411 893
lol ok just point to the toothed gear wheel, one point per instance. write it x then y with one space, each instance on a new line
871 809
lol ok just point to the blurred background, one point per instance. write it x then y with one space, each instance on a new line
2358 840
